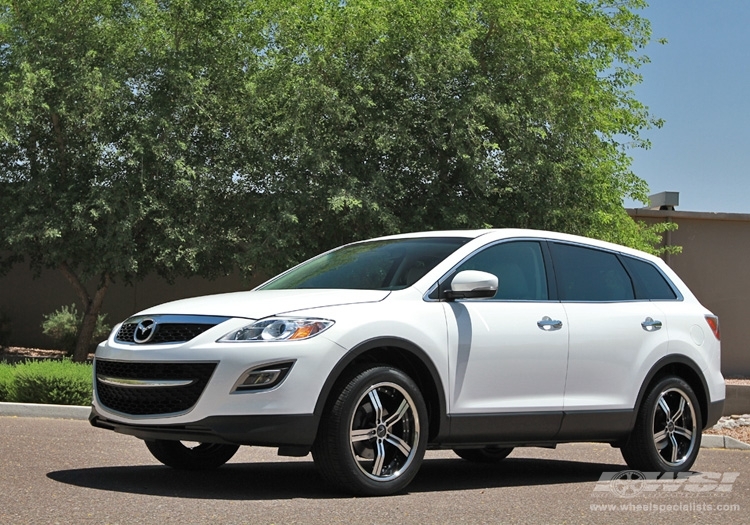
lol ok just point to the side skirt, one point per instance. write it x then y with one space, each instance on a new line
538 428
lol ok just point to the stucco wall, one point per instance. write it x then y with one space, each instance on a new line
25 299
715 264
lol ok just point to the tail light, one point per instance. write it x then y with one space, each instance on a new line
713 322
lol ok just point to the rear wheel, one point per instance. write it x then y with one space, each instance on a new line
667 433
373 438
191 456
491 454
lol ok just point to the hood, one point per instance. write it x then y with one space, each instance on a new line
257 304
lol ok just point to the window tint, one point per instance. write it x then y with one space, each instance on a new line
374 265
519 267
586 274
648 280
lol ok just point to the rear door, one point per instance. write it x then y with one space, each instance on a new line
615 336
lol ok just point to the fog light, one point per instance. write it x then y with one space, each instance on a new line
262 378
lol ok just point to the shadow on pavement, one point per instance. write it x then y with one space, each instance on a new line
300 479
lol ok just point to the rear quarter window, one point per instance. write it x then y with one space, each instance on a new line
649 282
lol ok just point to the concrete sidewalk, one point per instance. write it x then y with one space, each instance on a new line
78 412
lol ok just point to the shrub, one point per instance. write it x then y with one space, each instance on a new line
52 382
63 325
6 379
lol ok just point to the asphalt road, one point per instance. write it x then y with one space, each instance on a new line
67 472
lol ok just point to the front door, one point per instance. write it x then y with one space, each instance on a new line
508 354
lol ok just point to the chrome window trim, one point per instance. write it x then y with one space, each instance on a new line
675 289
678 295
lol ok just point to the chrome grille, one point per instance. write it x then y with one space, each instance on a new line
139 401
165 333
168 328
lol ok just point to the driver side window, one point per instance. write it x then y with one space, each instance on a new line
518 266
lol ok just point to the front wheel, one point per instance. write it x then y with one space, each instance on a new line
373 438
667 433
202 456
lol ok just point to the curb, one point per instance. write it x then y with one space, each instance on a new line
82 413
719 441
49 411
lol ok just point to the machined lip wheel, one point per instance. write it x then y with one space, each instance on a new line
384 431
674 426
666 436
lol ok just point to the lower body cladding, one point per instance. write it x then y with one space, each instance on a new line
288 432
295 434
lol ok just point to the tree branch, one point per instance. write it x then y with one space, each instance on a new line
57 128
80 289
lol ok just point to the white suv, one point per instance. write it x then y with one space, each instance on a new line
477 341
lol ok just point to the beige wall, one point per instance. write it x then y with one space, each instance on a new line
25 300
715 264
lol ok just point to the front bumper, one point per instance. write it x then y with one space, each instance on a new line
157 405
293 430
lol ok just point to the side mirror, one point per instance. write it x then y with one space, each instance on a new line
472 284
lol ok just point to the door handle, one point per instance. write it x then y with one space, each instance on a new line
650 325
548 325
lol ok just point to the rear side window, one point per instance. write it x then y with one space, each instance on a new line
587 274
649 282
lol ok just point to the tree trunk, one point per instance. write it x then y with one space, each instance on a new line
91 306
85 335
90 316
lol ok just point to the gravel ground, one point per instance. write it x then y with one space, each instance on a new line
12 353
18 351
737 381
741 433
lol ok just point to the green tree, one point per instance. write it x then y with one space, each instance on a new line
190 137
382 117
112 159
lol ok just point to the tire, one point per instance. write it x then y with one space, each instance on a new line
667 432
489 454
203 456
372 440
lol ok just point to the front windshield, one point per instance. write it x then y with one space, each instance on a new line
374 265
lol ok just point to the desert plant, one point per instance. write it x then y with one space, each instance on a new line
64 324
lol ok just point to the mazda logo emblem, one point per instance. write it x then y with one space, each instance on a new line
145 331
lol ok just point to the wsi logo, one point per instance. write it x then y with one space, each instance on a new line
631 483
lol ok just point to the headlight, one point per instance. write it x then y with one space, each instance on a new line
278 329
